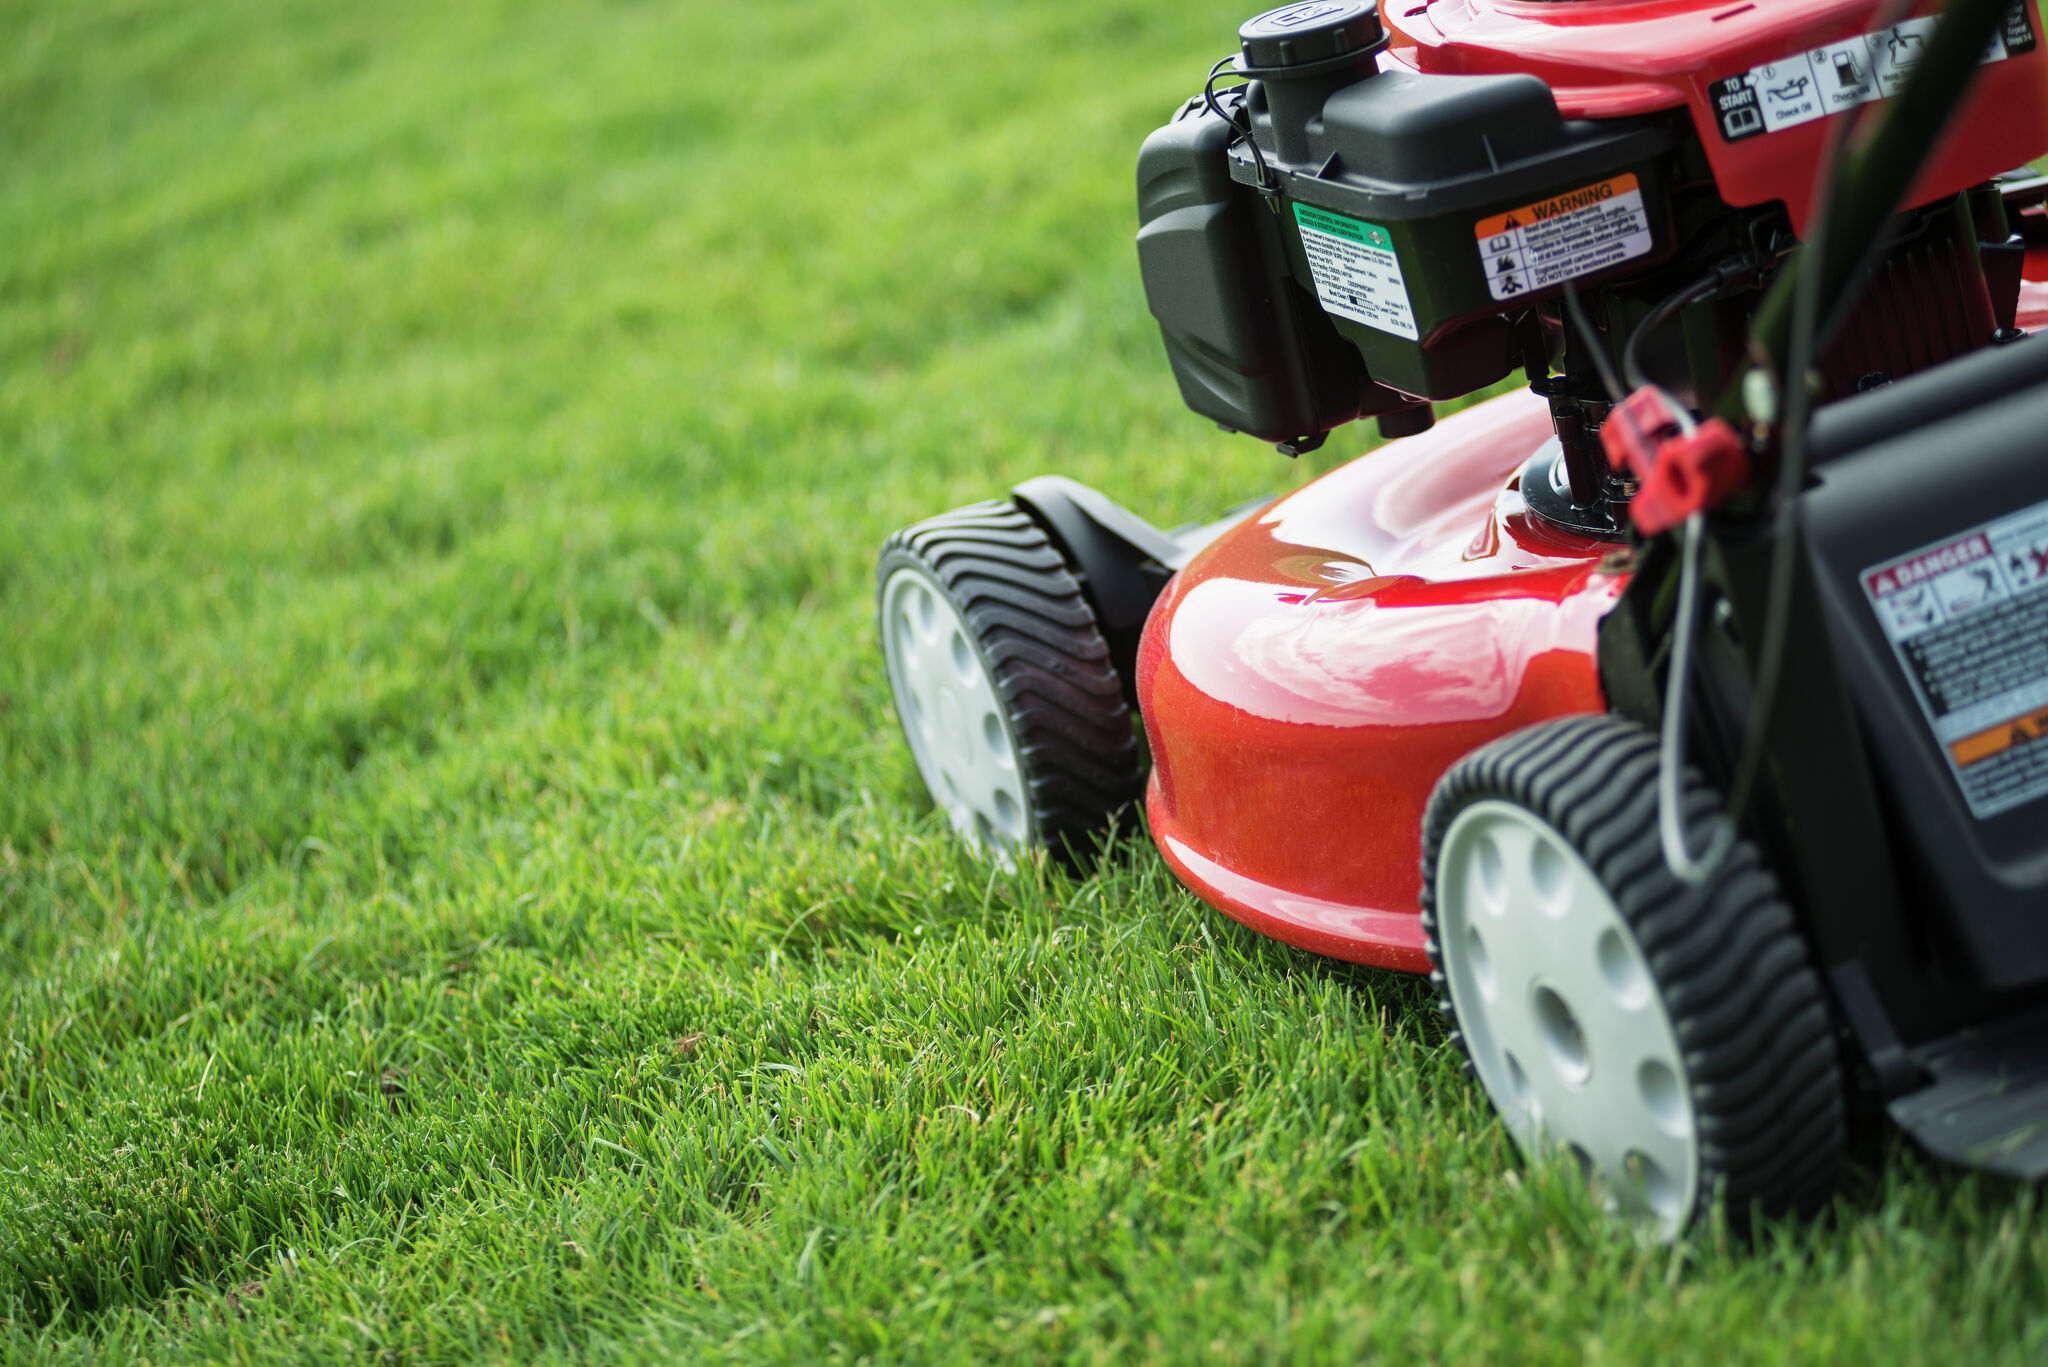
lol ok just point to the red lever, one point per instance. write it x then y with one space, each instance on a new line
1677 473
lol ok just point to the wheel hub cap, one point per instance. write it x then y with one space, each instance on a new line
952 713
1561 1014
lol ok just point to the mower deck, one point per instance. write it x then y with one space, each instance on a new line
1311 674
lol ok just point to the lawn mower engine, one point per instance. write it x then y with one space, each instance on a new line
1360 229
1683 709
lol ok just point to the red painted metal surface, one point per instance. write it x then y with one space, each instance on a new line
2033 309
1605 58
1307 678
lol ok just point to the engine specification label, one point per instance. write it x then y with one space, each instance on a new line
1563 237
1969 621
1837 76
1356 272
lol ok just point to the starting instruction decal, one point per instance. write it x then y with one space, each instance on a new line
1563 237
1969 621
1356 272
1837 76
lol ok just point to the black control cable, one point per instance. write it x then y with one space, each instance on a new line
1678 857
1243 130
1797 401
1632 353
1725 272
1594 343
1890 160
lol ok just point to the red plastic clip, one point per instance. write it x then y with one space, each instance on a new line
1679 469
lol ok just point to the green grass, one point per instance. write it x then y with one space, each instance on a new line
462 893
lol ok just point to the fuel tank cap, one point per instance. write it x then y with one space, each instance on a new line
1310 32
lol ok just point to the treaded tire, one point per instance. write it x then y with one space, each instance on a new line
1057 692
1726 960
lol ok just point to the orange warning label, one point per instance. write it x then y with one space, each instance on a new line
1543 209
1996 740
1580 232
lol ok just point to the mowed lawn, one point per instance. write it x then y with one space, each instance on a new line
462 892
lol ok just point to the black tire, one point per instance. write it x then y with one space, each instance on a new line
1727 961
1059 698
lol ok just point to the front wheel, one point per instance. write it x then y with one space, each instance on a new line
1673 1040
1003 682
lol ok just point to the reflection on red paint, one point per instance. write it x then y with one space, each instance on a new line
1308 678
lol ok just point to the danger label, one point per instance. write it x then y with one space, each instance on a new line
1837 76
1581 232
1357 274
1968 620
1932 565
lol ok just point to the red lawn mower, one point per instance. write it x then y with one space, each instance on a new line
1685 713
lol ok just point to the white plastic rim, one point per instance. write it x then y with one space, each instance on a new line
952 713
1565 1026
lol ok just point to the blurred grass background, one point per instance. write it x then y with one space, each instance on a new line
462 894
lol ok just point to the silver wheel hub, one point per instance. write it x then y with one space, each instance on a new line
952 713
1565 1024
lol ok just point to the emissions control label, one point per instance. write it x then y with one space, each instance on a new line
1357 274
1564 237
1838 76
1969 620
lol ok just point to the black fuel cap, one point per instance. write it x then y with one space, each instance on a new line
1310 31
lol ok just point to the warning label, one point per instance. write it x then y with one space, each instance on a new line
1356 272
1837 76
1969 621
1564 237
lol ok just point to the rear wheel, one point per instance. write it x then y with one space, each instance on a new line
1003 682
1673 1040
